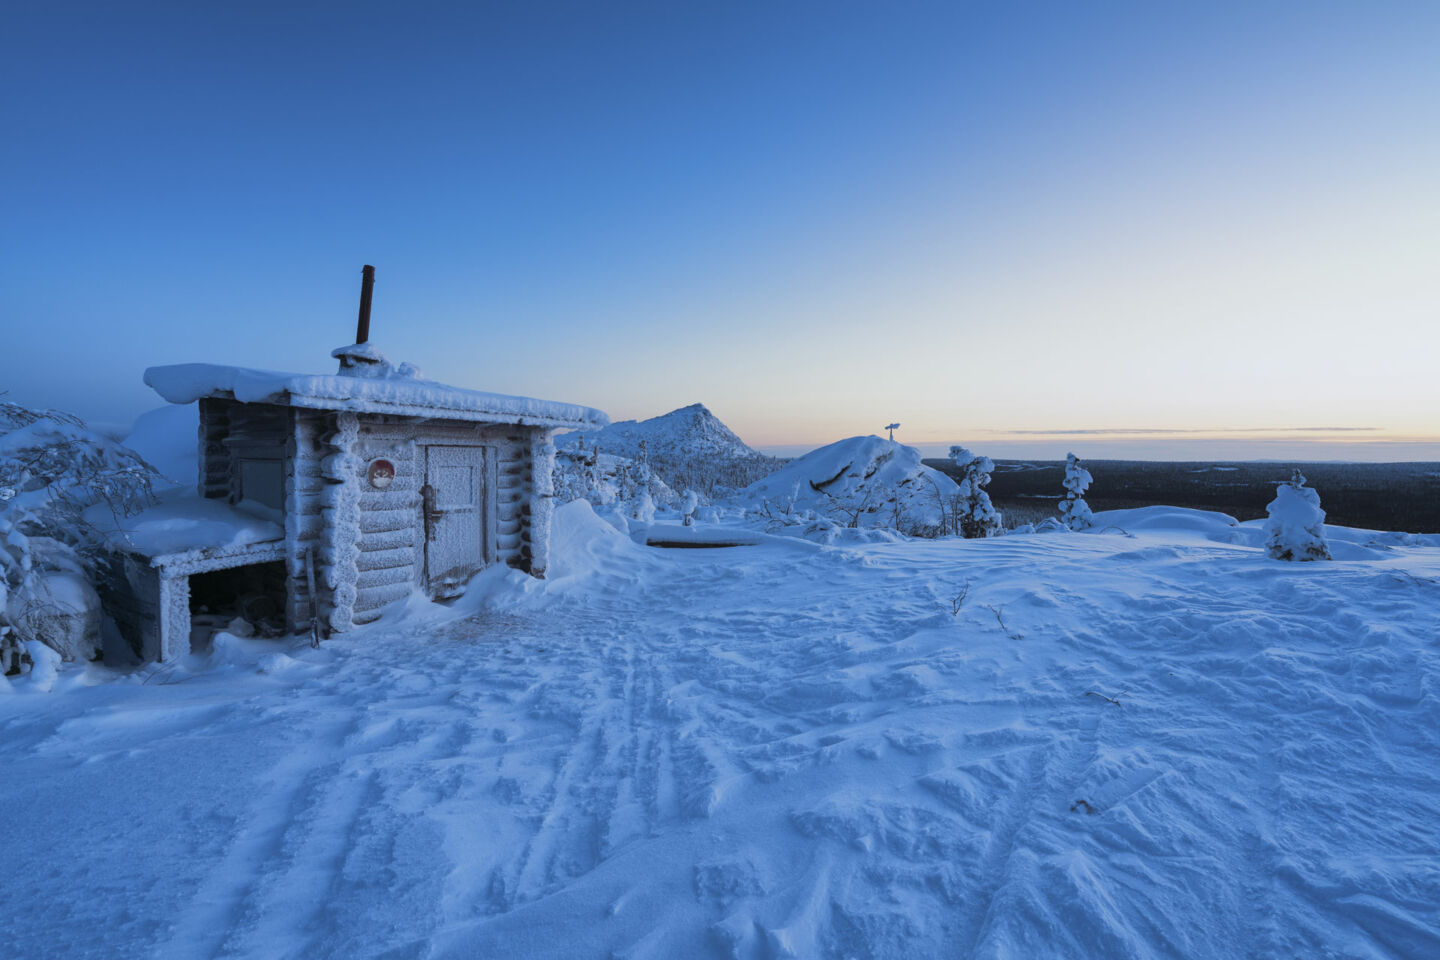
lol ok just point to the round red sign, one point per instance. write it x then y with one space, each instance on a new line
382 473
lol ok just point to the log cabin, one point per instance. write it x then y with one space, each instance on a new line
378 482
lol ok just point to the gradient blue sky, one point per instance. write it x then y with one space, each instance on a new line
989 221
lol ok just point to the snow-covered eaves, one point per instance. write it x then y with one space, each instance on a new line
208 559
399 396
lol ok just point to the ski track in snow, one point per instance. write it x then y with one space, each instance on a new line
773 752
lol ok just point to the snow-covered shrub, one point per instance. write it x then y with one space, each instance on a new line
975 514
689 503
60 609
642 507
586 473
580 475
1296 528
1074 511
52 467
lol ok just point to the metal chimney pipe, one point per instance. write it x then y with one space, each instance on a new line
367 286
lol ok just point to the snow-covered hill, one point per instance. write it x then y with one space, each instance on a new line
690 448
1150 743
860 481
688 431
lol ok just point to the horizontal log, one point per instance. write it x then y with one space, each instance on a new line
307 534
389 539
391 498
378 596
385 559
306 466
369 579
377 520
305 485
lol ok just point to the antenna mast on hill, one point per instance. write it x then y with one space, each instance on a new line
892 427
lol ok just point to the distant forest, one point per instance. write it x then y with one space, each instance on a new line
1377 496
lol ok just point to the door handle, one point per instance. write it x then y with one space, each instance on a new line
429 511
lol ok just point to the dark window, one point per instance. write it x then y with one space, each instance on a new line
263 482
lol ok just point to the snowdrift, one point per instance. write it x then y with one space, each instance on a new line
1155 745
167 437
861 481
582 543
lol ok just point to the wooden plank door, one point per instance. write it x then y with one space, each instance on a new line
457 531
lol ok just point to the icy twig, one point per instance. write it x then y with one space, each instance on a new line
1000 619
957 601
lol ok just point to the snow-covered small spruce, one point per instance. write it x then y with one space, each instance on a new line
1074 511
976 516
1296 528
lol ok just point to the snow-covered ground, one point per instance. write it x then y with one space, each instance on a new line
1150 743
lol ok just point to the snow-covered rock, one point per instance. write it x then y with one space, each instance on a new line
859 482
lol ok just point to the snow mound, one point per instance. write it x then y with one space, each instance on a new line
1211 523
167 437
582 543
862 481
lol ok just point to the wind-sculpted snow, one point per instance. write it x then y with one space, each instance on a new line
860 482
1149 742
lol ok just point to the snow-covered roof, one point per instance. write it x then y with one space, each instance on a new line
386 389
182 525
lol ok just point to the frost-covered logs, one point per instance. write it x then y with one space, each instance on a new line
1074 511
976 516
340 506
542 504
1295 530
